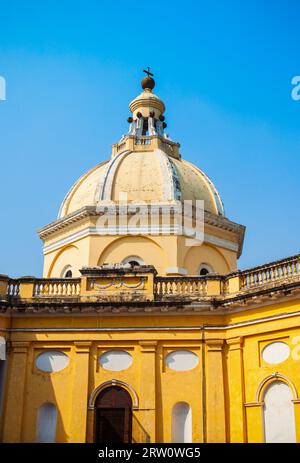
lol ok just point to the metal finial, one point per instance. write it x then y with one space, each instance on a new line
148 82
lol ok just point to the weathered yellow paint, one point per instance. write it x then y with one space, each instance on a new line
231 375
218 318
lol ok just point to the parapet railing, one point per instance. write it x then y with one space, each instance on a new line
176 285
143 140
57 287
125 284
282 271
13 287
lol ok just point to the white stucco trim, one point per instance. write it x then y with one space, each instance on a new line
114 382
171 185
131 230
211 239
272 378
105 188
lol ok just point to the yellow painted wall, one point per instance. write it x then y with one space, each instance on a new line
222 389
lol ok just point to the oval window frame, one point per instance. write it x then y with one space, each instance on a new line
192 354
48 352
107 352
269 346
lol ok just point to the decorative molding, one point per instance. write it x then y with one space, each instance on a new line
235 343
148 346
144 328
271 378
104 330
254 321
172 229
91 211
114 382
20 347
82 347
214 345
230 245
118 283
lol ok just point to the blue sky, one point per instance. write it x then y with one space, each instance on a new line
224 70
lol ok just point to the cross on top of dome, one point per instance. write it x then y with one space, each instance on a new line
147 71
148 82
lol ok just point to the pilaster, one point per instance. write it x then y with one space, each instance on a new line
236 390
215 395
148 387
80 392
15 393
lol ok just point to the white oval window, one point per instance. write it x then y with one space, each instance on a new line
115 360
51 361
276 352
182 360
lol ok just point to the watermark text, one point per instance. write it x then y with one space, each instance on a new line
2 88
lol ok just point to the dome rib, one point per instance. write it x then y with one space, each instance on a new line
145 176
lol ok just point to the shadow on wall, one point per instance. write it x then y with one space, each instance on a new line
139 433
38 387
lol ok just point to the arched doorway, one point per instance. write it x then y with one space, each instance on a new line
279 417
113 416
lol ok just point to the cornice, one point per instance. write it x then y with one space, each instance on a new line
92 211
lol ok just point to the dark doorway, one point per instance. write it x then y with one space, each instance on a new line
113 416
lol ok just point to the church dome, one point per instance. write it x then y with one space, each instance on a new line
143 205
142 176
145 166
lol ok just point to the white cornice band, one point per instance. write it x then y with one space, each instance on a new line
151 230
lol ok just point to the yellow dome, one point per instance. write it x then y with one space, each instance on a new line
145 166
142 176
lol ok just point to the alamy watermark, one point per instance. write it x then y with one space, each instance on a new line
124 217
295 94
2 88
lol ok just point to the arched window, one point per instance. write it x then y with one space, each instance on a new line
205 269
67 272
133 261
279 417
181 423
46 423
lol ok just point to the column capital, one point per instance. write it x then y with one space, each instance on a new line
148 346
20 347
82 347
235 343
214 345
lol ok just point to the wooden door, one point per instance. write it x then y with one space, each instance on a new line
113 416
